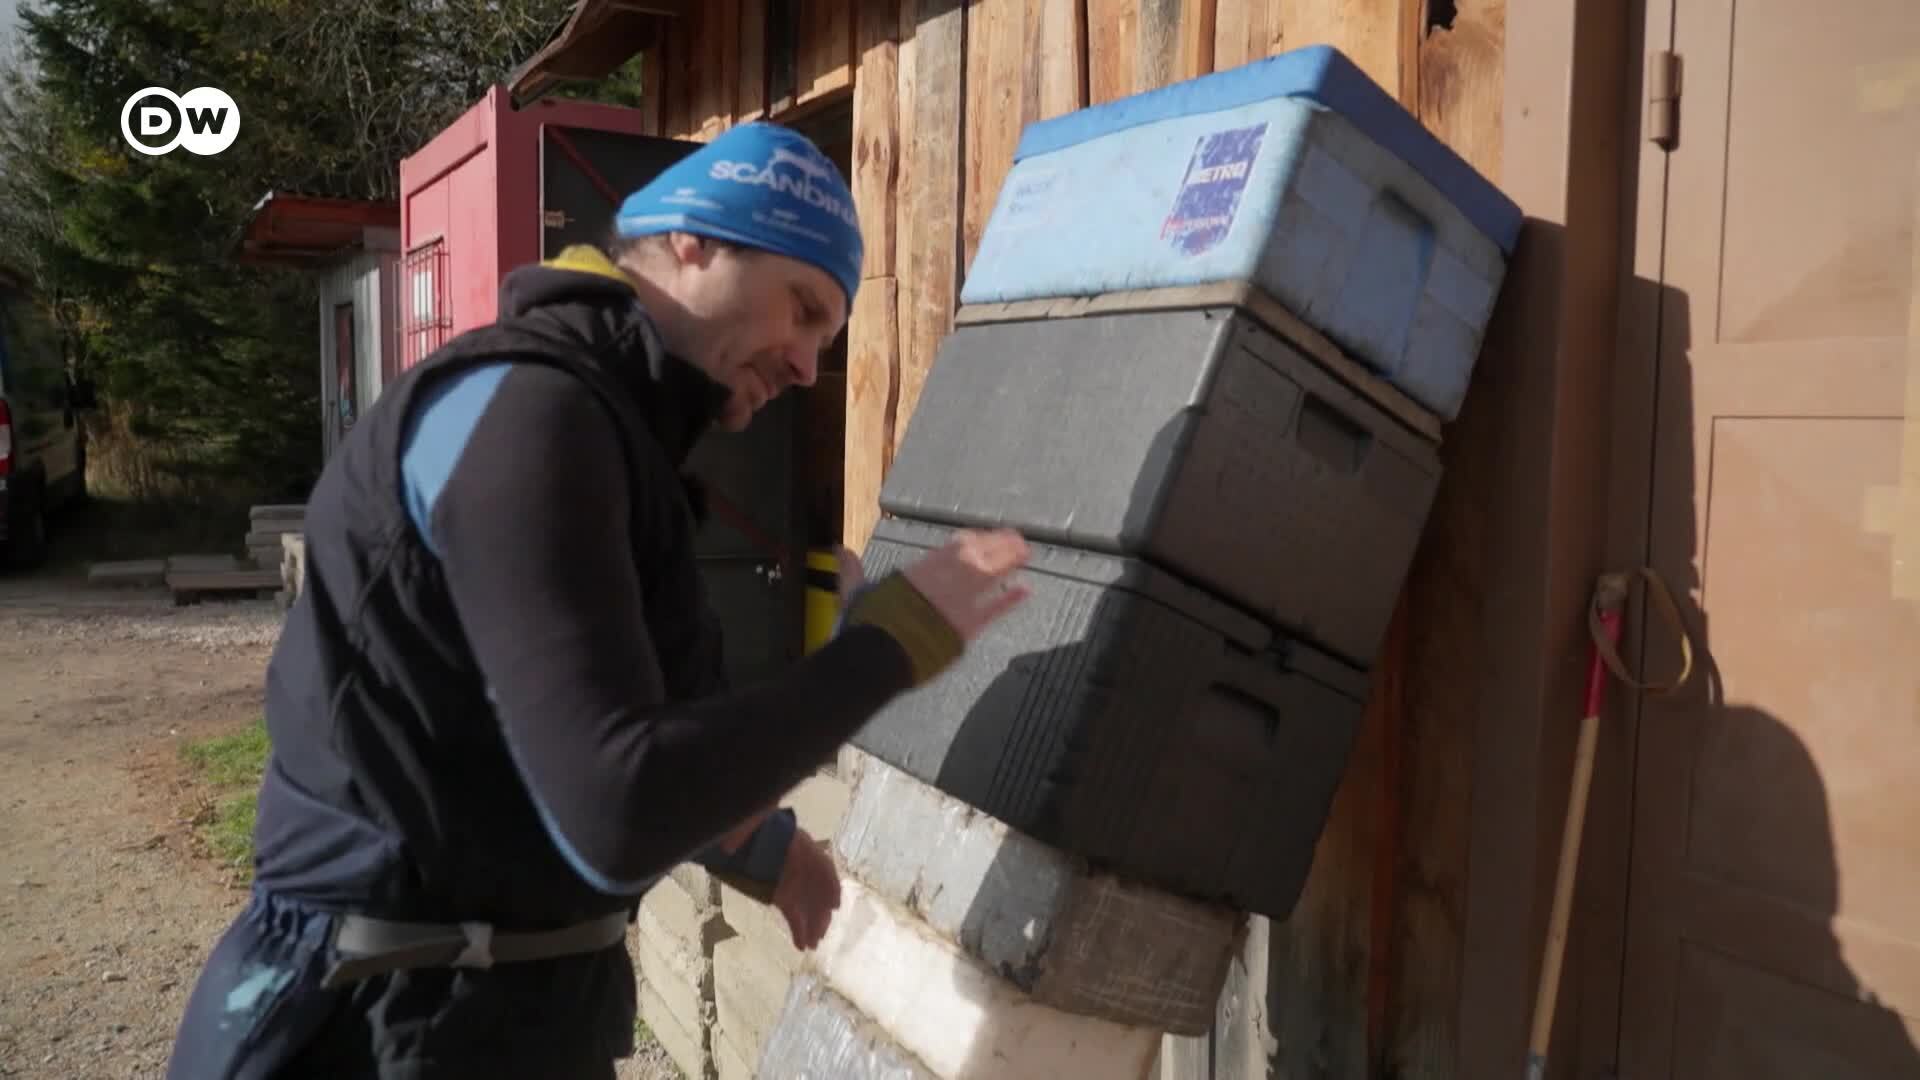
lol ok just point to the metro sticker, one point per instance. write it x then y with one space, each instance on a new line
1209 194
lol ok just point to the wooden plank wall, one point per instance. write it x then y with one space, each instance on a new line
731 61
1364 979
1456 78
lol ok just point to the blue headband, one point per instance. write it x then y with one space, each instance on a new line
761 185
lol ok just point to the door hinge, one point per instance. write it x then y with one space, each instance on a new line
1663 99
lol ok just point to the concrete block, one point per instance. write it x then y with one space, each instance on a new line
682 977
748 988
698 923
962 1021
1077 940
687 1049
821 1036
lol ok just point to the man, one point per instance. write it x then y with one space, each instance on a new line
497 710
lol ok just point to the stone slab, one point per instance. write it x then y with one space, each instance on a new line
293 563
201 564
699 884
748 988
687 1049
729 1061
132 573
763 925
697 923
819 806
683 979
821 1036
1077 940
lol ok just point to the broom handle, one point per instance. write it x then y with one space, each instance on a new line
1609 599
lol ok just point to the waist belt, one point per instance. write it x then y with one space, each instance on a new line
365 947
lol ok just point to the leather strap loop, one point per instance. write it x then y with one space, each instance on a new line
1612 589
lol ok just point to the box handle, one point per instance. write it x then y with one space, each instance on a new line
1331 435
1253 680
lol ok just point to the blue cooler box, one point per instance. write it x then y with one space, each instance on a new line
1296 173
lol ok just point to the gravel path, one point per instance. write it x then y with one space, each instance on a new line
107 903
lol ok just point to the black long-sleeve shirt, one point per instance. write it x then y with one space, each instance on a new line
515 478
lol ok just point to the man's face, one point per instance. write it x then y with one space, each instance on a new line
757 322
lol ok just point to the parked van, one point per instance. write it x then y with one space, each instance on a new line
43 447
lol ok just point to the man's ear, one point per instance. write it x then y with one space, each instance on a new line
691 250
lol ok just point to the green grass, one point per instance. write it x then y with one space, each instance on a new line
231 765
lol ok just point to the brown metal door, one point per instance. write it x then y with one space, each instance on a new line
1774 907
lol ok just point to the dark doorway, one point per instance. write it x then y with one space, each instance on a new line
751 549
820 435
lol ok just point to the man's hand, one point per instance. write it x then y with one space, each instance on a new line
808 891
972 579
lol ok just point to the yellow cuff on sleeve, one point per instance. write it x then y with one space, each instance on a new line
894 605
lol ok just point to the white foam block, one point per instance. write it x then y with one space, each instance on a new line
962 1021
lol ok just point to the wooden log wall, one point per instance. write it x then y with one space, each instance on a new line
1365 979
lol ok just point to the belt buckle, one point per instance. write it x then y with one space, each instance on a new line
478 952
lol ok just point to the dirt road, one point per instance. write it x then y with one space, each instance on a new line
106 910
108 902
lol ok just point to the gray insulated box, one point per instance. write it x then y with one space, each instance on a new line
1130 719
1196 439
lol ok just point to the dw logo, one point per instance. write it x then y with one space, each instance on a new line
204 120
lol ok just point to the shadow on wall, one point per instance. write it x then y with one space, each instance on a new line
1735 963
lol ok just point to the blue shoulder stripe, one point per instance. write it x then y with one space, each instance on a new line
436 435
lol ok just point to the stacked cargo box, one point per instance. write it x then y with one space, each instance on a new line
1202 363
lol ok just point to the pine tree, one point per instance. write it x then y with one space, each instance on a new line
135 253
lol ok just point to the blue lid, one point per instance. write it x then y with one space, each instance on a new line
1320 73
